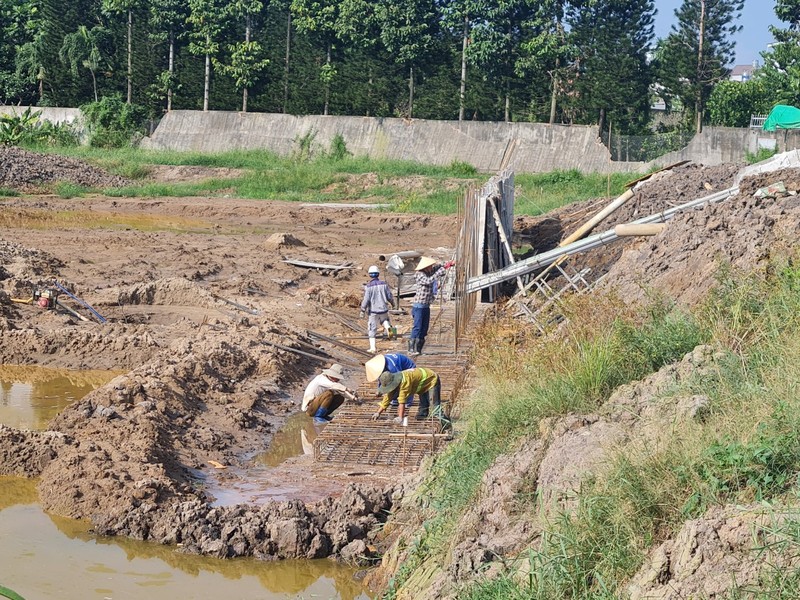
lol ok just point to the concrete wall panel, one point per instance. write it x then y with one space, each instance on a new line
525 147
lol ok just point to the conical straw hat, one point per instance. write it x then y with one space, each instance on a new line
425 261
375 366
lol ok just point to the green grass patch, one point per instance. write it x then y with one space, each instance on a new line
573 373
8 192
67 190
745 449
440 202
210 187
412 186
536 194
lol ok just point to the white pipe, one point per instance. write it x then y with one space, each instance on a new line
538 261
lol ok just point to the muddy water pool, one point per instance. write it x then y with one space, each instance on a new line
43 556
31 396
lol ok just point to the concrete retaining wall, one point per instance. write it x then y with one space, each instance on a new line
489 146
717 145
49 113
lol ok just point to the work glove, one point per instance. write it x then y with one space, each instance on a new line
361 315
449 263
376 416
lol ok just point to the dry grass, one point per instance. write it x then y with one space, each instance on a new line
47 220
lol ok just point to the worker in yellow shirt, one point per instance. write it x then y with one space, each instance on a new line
423 382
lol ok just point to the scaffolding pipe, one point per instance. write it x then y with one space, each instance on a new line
539 261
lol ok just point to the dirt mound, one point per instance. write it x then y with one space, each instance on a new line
684 259
19 262
191 173
130 455
30 171
677 186
718 555
790 178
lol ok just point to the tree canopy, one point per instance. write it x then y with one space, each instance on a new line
558 61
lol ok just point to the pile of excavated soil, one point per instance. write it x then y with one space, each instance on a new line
683 260
662 191
666 189
30 171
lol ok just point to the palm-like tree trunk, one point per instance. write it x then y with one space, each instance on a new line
130 56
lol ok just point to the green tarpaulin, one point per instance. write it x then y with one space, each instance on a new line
783 117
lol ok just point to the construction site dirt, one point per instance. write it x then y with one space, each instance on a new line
200 304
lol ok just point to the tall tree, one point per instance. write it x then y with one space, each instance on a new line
460 16
497 41
320 17
407 29
19 22
781 70
125 7
697 52
548 49
168 18
247 59
613 39
82 49
207 20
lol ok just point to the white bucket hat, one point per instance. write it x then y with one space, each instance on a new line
375 366
373 269
335 370
425 261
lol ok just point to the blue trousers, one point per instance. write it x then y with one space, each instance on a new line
421 313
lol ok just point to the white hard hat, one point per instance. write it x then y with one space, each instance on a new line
373 269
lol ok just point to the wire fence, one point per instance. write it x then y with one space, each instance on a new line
644 148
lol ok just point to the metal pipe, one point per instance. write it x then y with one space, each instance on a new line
539 261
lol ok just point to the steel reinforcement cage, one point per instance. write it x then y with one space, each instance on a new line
480 248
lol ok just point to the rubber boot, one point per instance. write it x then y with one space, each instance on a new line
321 416
420 344
412 347
388 328
372 347
424 404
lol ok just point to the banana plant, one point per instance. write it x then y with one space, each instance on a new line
10 594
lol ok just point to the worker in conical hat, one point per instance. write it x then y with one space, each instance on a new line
388 363
427 274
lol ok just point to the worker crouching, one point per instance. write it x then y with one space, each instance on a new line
420 381
325 393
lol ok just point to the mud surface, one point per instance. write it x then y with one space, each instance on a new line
198 304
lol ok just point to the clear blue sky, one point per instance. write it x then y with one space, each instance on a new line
757 16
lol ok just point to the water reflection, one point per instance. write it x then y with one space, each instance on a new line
31 396
296 437
51 557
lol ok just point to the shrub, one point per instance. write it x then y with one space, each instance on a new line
759 155
338 150
112 122
27 129
304 146
460 168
